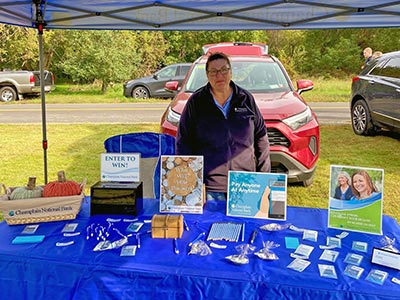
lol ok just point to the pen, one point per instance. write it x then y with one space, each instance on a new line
176 249
253 236
137 235
196 239
186 225
243 232
138 239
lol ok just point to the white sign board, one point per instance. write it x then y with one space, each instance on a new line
123 167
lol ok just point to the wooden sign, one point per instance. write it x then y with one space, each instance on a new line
181 184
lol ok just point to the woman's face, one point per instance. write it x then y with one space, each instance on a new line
223 76
342 179
360 184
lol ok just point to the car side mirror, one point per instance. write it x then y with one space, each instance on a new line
304 85
155 76
171 86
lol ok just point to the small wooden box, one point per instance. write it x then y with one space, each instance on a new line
167 226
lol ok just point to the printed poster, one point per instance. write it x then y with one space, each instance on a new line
257 195
181 184
356 199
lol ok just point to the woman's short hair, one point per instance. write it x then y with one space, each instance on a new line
218 55
345 174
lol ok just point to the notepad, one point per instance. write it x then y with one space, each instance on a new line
291 242
32 239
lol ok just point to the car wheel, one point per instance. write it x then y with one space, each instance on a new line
308 181
7 94
361 119
140 92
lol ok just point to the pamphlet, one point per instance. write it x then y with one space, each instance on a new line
356 199
257 195
181 184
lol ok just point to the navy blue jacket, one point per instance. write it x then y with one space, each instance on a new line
238 142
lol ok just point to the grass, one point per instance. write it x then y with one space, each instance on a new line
332 90
77 148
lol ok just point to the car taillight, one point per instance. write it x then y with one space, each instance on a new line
32 79
355 79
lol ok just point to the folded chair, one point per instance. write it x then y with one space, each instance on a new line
151 146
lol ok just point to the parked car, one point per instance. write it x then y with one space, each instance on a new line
15 85
152 86
293 128
375 96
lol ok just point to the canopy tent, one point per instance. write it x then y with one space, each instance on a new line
192 15
201 14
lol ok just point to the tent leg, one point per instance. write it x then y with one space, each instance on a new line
43 101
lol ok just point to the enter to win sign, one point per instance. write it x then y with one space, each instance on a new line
124 167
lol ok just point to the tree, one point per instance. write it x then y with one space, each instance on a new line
18 48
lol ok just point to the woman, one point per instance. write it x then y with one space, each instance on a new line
222 122
343 189
362 186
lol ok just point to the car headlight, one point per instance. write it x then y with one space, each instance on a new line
299 120
173 117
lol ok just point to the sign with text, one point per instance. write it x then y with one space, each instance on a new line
356 199
257 195
123 167
181 184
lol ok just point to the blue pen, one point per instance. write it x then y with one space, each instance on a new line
196 239
186 225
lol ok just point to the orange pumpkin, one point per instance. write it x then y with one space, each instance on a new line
61 187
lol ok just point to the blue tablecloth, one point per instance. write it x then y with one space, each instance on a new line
44 271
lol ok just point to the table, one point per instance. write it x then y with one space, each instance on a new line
44 271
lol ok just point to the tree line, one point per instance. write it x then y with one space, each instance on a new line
114 56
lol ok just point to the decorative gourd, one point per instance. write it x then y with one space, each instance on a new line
27 192
61 187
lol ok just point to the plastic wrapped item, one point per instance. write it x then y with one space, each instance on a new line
266 253
327 271
274 227
388 244
201 248
107 245
242 258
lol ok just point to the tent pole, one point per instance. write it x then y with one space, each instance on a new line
43 98
40 26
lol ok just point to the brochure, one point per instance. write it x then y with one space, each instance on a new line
257 195
181 184
356 199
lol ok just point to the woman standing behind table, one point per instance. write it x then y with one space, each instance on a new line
343 190
362 186
222 122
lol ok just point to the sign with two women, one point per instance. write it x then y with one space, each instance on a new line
356 199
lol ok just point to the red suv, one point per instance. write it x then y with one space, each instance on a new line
292 126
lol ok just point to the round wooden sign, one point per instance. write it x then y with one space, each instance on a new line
181 180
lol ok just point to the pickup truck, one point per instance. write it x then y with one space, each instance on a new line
15 85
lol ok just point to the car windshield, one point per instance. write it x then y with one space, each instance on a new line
256 77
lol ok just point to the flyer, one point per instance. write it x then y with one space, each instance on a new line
181 184
257 195
356 199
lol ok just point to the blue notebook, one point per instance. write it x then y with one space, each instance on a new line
28 239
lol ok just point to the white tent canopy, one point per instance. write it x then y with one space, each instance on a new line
201 14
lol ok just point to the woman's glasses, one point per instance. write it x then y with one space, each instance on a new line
214 72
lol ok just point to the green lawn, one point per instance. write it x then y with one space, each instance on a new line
332 90
77 148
